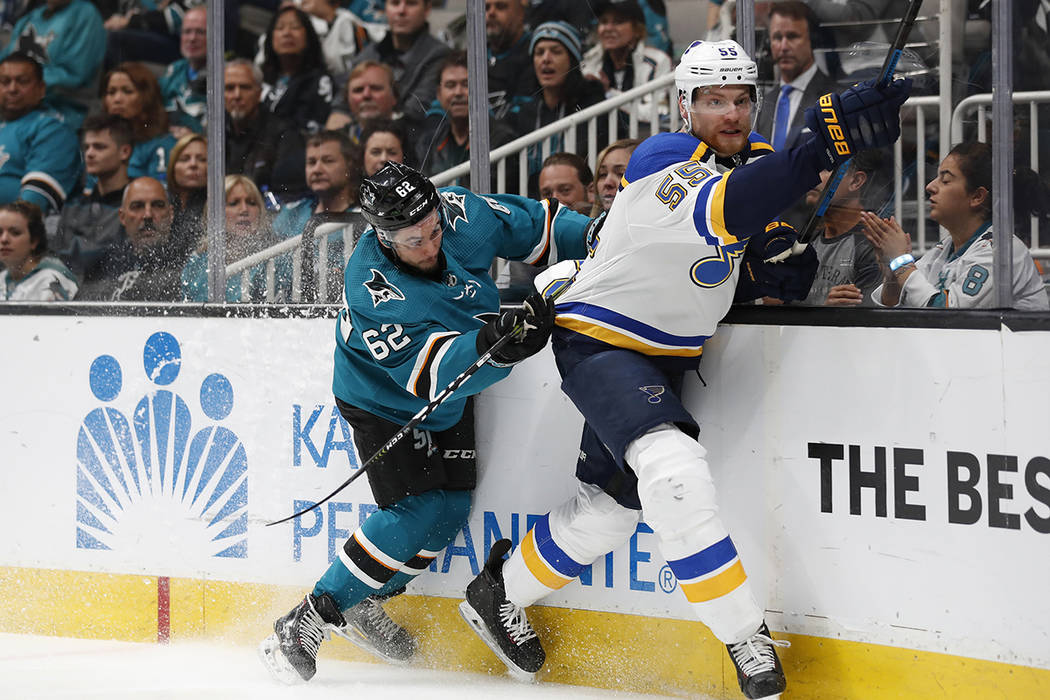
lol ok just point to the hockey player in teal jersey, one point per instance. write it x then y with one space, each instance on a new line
39 153
681 241
420 309
68 40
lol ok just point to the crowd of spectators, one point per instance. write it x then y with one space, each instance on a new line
104 116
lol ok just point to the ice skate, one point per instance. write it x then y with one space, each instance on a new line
290 653
758 669
501 624
369 627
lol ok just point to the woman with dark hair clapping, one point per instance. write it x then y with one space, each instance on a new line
958 271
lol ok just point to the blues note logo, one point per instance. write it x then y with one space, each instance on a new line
169 479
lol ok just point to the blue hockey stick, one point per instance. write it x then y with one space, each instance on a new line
808 232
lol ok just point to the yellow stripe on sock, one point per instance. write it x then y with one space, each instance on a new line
539 568
716 586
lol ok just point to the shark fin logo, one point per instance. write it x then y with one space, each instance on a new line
381 289
155 482
455 207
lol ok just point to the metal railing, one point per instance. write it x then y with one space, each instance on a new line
979 104
311 278
643 103
631 102
916 205
909 183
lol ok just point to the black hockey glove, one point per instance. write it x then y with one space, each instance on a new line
535 317
775 265
863 116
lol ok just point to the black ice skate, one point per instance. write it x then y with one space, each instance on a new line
758 669
501 624
290 653
369 627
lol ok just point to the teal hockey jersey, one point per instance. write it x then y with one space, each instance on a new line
39 159
401 337
69 43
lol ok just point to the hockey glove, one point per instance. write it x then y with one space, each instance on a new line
788 280
778 242
531 324
863 116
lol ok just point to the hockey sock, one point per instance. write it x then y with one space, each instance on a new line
394 545
564 541
714 582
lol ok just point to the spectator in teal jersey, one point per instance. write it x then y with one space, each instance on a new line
39 160
131 91
66 37
183 85
248 231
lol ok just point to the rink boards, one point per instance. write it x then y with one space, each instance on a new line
888 489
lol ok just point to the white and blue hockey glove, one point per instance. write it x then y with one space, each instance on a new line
864 116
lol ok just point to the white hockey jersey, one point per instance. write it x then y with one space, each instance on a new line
663 270
962 279
50 280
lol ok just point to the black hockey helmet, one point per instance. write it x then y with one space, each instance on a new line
396 197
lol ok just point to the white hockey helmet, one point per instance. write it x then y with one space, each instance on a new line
714 64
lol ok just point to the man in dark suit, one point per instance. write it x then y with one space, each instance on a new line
781 118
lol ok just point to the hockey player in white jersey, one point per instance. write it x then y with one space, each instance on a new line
659 276
957 273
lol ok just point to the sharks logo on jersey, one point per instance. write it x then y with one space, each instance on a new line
35 45
455 207
381 289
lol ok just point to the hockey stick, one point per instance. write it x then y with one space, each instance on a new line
419 417
808 232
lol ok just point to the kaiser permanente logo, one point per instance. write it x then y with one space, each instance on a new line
163 480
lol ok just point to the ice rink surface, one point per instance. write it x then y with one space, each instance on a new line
34 667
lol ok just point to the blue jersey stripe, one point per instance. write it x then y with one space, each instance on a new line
611 318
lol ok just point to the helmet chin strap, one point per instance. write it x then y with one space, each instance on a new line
683 109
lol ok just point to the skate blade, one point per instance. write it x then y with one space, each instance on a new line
474 620
276 663
354 637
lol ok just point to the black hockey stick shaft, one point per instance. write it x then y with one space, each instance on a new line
416 419
808 232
